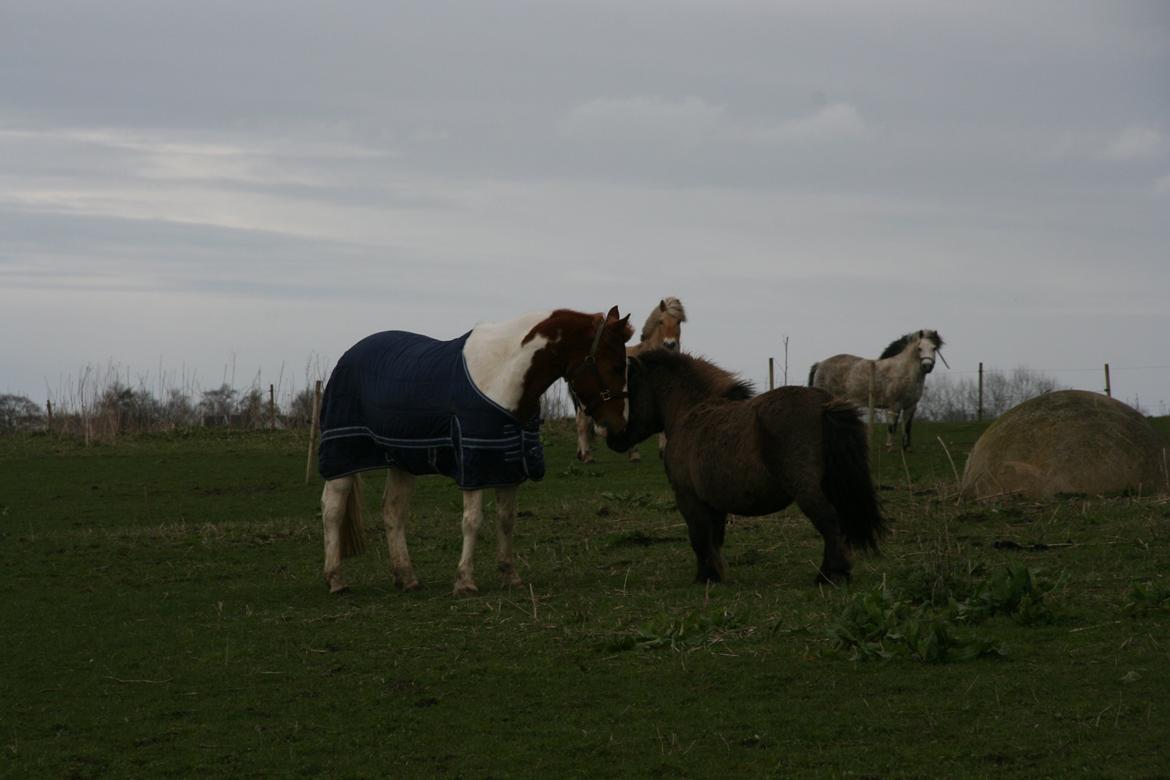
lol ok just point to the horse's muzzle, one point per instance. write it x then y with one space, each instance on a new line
671 344
927 366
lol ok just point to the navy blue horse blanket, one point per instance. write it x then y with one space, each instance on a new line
404 400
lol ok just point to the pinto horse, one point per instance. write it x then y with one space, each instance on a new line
662 330
728 451
898 378
466 408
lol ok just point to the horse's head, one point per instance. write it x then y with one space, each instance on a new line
596 372
663 327
928 345
643 419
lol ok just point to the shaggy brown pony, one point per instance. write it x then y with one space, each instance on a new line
731 452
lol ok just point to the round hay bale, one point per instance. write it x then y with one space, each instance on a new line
1069 441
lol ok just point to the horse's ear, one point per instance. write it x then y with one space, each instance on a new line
613 315
662 305
627 328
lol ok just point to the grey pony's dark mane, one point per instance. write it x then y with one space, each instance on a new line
897 345
698 373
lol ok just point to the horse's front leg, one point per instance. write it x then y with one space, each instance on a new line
584 436
395 509
472 517
661 445
505 522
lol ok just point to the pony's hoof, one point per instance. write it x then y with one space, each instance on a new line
635 456
833 578
511 578
584 457
336 583
406 583
465 589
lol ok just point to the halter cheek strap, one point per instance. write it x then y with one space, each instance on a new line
590 362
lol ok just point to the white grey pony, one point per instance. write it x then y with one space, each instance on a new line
898 377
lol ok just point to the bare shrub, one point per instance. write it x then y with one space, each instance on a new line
947 399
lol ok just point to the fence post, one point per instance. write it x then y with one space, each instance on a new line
979 408
272 406
1108 388
313 431
49 408
771 373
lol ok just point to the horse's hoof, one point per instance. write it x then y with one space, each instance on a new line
406 584
585 457
336 583
635 456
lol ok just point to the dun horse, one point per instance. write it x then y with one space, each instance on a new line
897 378
662 330
466 408
730 452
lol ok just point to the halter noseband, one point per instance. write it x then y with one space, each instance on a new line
590 361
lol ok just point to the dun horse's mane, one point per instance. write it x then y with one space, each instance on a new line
674 308
899 344
699 373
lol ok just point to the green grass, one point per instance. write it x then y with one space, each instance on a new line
163 615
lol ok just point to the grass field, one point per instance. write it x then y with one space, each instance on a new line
164 615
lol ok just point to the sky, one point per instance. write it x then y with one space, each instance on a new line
193 193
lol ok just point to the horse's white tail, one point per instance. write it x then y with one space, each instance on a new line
353 531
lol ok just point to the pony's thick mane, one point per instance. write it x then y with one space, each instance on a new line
674 308
897 345
700 373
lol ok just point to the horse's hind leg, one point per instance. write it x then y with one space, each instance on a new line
892 428
472 517
334 501
706 527
505 522
836 562
395 509
584 436
907 423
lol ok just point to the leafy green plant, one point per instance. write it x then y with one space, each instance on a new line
882 624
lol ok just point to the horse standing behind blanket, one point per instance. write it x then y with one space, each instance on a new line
466 408
730 452
898 377
662 330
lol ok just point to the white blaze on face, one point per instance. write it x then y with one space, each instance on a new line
497 361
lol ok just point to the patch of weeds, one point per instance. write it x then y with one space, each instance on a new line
693 630
1143 600
636 539
1016 591
882 624
658 503
574 470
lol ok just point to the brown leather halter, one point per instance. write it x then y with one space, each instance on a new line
590 362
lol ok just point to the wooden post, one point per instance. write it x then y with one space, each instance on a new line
49 409
272 406
313 432
1108 387
979 409
771 373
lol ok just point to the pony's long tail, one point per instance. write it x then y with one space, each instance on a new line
846 481
353 532
812 372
